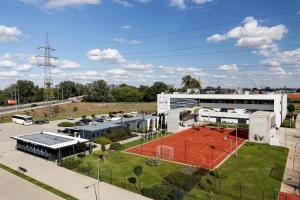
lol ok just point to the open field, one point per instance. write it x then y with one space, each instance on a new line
82 108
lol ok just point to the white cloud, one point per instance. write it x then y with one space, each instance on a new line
116 73
143 1
8 34
60 4
216 38
252 35
180 4
124 3
125 27
228 68
9 74
126 41
194 71
23 68
202 1
106 55
68 64
136 66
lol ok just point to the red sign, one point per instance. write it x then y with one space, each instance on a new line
11 102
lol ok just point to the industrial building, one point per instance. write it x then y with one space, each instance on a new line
51 146
145 122
230 108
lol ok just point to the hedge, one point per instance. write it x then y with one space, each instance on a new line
115 146
65 124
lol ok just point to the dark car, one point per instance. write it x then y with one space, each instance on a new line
43 121
99 119
67 131
83 122
34 105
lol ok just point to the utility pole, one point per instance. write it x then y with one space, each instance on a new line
48 80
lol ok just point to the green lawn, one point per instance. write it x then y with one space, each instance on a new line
257 171
120 165
38 183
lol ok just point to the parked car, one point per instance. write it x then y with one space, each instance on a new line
127 116
99 119
67 131
70 118
34 105
83 122
43 121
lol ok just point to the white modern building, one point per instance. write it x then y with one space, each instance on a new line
227 108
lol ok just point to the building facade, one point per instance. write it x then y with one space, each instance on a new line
221 103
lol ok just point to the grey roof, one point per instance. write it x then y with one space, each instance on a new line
110 124
45 139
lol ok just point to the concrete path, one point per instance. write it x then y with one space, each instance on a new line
290 138
16 188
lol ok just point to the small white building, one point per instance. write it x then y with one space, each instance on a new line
262 127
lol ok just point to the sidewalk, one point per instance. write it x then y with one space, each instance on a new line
65 180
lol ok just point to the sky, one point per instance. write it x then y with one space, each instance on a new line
228 43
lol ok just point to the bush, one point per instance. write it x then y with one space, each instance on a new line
70 163
182 181
102 140
75 109
287 123
157 192
201 172
65 124
115 146
118 134
81 155
84 167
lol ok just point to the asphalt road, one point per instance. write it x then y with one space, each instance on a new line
23 107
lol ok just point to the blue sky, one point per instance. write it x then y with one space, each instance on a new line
229 43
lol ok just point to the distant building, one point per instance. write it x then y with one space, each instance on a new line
147 122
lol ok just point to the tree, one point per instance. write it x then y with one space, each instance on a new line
98 91
132 180
291 108
189 82
138 170
156 88
126 93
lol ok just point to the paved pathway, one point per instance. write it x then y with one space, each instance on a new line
16 188
291 139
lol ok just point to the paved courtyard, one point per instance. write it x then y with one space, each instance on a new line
48 172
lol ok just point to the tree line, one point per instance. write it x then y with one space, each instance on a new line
25 91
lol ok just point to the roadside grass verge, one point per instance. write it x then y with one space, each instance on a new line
38 183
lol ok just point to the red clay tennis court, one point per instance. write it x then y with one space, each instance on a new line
197 146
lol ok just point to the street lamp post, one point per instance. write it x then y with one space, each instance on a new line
98 177
236 140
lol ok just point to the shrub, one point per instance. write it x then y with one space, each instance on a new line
75 109
156 192
201 172
77 124
65 124
132 180
84 167
81 155
115 146
70 163
117 134
180 180
102 140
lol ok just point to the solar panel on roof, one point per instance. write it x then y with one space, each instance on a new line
45 139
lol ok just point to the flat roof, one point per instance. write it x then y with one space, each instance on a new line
50 140
111 124
224 96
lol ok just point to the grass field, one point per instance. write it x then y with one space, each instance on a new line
38 183
257 171
66 110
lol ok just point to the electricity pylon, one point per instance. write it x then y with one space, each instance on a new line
48 79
